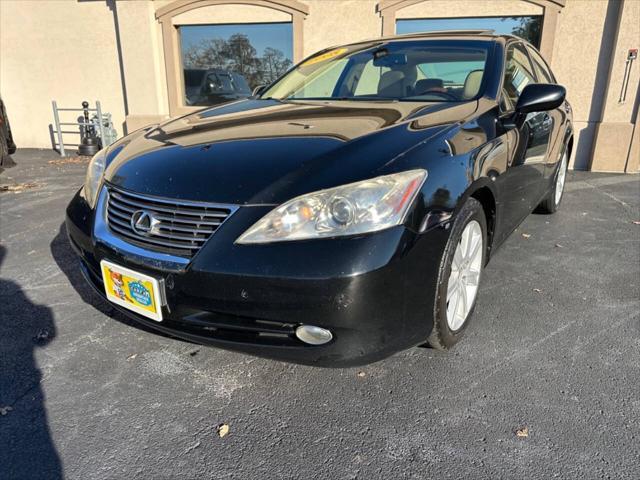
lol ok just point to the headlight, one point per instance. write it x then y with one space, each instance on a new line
361 207
94 176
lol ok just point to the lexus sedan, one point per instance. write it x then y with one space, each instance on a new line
341 214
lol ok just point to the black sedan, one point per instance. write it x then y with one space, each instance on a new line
341 214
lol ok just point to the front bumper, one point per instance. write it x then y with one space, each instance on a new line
374 292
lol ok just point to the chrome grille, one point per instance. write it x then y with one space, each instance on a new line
182 226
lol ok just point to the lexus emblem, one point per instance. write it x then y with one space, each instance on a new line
144 223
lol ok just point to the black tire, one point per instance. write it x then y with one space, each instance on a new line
442 337
549 205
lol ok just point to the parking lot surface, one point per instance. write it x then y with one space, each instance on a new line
545 384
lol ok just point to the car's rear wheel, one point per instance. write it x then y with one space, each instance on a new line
459 276
552 201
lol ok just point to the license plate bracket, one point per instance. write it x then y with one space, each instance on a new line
133 290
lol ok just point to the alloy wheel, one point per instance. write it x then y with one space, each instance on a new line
562 175
464 278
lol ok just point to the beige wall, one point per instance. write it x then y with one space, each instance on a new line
56 50
335 22
45 56
143 58
613 136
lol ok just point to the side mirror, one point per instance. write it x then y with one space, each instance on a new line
258 90
540 97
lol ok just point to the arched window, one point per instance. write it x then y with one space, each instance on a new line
534 20
219 50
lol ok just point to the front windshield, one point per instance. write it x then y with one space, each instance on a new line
425 70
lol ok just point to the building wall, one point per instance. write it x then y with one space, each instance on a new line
335 22
56 50
67 50
611 151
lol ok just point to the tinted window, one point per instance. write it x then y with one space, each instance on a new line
542 72
518 72
426 70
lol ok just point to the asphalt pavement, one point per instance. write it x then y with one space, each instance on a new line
545 384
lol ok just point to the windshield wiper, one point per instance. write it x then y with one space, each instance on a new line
348 99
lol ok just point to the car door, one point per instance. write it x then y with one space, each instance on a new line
557 117
521 185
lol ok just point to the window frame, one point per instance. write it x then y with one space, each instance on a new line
545 66
170 41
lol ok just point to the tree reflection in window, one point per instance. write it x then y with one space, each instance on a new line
226 62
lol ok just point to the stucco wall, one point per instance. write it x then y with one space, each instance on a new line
335 22
56 50
580 30
66 50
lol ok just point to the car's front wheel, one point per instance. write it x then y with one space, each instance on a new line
459 275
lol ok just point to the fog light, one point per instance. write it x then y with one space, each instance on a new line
313 335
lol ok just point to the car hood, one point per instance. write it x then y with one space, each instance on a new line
268 151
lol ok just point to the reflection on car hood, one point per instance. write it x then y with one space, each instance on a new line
266 151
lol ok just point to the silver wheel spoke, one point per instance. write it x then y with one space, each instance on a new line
474 246
464 278
463 302
457 258
452 289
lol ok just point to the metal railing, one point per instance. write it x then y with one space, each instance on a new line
59 124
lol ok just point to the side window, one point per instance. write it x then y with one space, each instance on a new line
542 72
518 72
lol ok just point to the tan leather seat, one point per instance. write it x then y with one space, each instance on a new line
472 84
391 84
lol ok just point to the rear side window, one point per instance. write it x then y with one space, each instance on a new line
518 72
542 71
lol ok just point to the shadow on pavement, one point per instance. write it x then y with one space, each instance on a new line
26 448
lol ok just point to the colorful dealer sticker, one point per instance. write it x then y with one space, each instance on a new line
325 56
135 291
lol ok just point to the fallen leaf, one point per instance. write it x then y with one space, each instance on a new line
68 160
223 429
522 432
5 410
537 290
361 374
20 187
526 235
